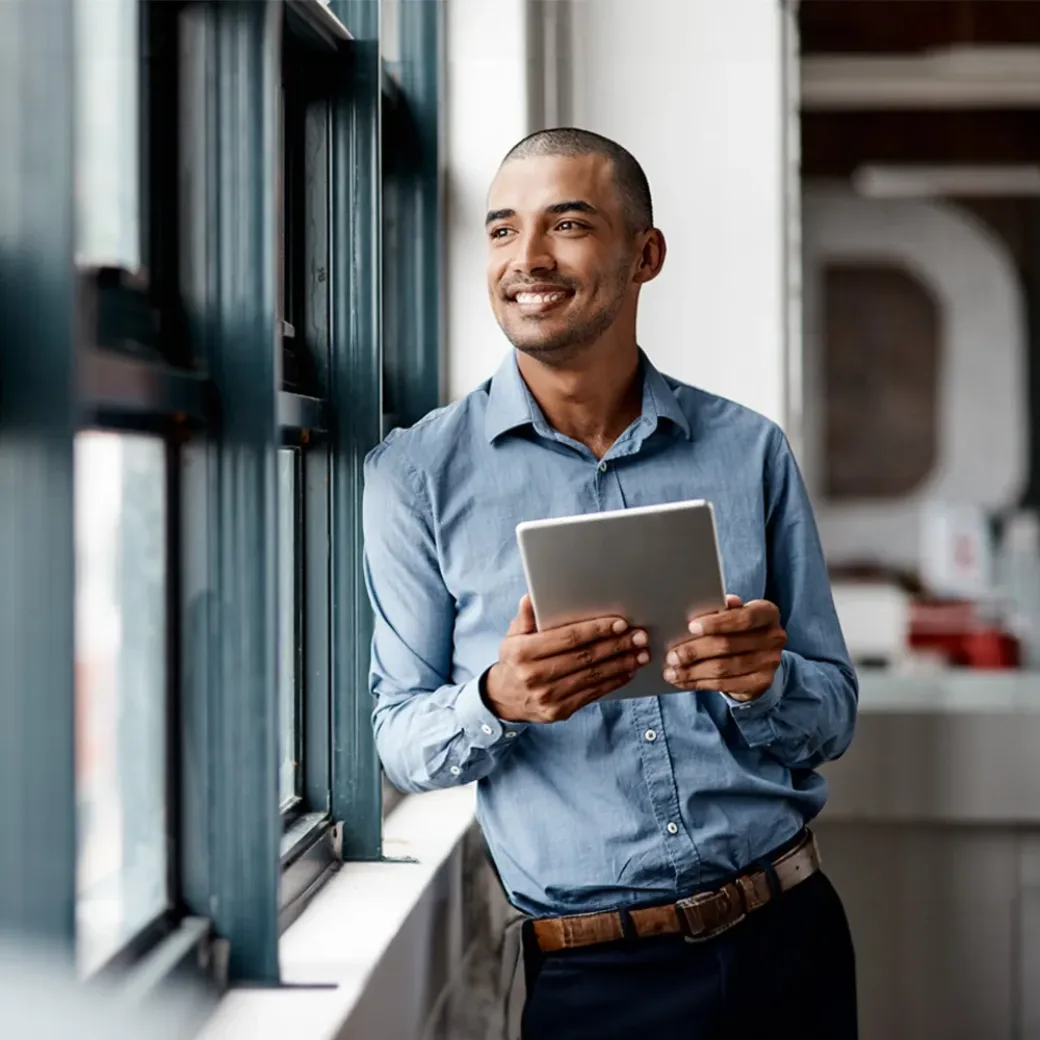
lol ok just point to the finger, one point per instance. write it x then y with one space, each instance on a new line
733 601
591 694
524 622
555 641
575 661
706 647
758 613
570 686
706 675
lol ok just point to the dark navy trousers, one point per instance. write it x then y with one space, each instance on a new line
787 970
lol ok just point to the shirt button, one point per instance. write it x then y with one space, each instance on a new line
603 466
672 829
510 735
651 735
455 771
487 729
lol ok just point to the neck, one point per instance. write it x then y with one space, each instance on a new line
594 398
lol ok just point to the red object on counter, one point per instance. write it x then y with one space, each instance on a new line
955 630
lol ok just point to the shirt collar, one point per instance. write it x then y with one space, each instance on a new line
659 400
511 406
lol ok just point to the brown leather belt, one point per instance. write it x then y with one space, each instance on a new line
698 918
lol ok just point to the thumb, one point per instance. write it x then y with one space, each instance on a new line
524 623
733 601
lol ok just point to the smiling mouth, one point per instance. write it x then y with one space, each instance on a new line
540 302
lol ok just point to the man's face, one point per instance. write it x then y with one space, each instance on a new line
561 257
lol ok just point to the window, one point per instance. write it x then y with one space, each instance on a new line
126 878
121 760
186 406
289 713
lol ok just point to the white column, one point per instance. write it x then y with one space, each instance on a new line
486 79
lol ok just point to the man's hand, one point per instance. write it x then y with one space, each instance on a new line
736 651
547 676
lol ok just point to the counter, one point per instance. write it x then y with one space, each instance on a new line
932 836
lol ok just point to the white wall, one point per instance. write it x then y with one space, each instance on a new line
694 89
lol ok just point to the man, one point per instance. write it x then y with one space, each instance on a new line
605 819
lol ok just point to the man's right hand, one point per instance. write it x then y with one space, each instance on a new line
547 676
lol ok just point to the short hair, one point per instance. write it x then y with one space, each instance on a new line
632 185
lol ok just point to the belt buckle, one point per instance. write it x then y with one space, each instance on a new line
709 914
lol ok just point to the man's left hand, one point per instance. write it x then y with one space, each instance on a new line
736 651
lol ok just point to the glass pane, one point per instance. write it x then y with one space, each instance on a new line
107 148
120 499
288 599
390 35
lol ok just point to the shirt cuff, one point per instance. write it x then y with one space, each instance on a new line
481 725
755 717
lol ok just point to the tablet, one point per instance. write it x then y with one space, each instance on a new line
655 566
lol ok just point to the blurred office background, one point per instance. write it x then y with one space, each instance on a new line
241 240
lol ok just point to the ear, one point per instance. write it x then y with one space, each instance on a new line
651 256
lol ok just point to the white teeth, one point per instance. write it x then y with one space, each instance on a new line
539 297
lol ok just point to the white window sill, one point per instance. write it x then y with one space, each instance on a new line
330 954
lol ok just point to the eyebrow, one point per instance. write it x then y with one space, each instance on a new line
556 209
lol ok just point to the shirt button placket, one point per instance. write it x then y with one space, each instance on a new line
661 783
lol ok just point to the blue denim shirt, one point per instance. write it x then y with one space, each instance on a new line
628 801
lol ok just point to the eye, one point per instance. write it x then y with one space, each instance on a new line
571 225
499 232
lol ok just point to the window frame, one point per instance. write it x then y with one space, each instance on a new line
356 391
312 46
188 350
411 88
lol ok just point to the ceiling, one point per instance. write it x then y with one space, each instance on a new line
835 142
908 26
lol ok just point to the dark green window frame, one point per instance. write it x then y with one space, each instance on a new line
200 352
411 88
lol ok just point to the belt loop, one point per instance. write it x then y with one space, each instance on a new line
766 866
628 926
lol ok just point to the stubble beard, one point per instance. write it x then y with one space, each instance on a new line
577 336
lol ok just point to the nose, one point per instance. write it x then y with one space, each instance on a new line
532 253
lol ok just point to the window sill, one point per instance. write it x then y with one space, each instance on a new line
330 954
